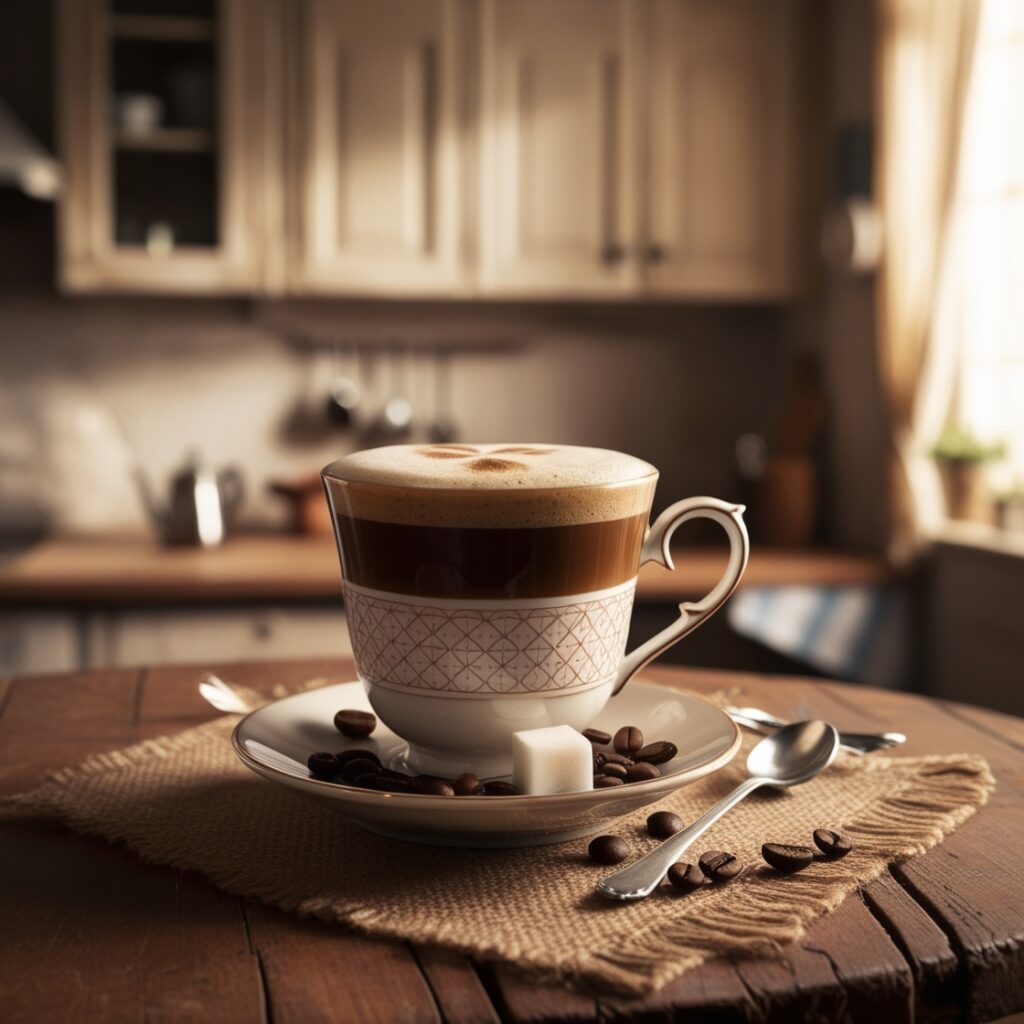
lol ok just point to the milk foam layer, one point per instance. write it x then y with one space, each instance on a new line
511 485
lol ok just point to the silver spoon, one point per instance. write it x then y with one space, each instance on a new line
857 742
793 755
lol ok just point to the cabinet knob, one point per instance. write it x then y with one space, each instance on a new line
656 254
613 254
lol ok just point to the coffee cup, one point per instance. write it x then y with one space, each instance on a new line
489 588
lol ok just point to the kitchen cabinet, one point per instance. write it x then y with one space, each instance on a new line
40 640
168 141
557 147
376 184
622 149
723 89
133 637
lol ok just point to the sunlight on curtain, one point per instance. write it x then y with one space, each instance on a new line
925 49
990 251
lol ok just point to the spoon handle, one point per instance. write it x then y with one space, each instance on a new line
643 876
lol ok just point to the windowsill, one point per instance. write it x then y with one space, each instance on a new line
980 537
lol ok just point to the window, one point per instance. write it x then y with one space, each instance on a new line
989 254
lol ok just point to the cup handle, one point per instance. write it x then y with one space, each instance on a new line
691 613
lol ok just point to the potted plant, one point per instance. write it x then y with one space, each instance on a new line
961 458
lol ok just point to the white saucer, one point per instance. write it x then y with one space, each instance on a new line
275 740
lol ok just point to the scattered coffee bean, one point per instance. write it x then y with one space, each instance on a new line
359 766
628 740
431 787
719 866
597 736
607 781
499 788
468 785
641 772
833 844
658 752
787 859
323 765
626 762
616 771
382 782
662 824
608 849
356 724
686 877
350 755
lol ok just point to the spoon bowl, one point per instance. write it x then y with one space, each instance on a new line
794 754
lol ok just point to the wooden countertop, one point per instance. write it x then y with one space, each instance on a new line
92 934
117 570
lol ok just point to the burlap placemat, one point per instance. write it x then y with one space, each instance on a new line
186 801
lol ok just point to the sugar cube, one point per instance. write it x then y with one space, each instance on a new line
556 759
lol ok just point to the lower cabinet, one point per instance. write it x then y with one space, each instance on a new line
38 641
157 636
59 641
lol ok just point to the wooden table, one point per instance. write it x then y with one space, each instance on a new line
89 934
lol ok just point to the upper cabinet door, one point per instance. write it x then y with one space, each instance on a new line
377 179
557 189
168 140
723 101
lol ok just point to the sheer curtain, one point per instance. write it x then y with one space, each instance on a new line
924 56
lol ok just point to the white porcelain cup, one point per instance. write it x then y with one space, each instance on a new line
489 588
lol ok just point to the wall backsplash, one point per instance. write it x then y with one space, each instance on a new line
672 385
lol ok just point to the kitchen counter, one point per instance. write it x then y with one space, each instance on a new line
122 570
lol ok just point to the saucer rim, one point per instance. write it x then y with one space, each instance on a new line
372 797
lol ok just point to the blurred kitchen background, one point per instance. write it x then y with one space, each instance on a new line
774 247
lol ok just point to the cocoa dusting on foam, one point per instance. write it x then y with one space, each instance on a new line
480 485
488 465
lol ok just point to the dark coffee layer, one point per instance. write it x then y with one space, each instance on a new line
494 562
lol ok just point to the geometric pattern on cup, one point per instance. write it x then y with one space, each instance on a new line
474 649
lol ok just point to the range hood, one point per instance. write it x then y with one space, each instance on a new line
23 160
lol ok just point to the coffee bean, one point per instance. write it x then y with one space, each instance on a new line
626 762
597 736
359 766
468 785
719 866
607 781
350 755
833 844
499 788
658 752
388 773
323 765
641 772
431 787
600 760
608 849
686 877
628 740
357 724
787 859
662 824
616 771
382 782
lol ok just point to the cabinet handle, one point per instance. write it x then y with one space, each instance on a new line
613 254
656 254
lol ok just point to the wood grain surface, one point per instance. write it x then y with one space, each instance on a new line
131 569
91 935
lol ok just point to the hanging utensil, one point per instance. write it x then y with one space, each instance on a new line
343 393
443 429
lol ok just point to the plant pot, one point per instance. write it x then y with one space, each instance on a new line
965 490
